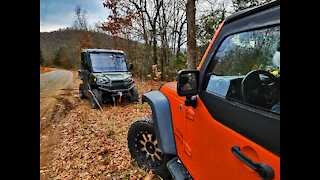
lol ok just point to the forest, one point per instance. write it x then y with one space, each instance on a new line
167 34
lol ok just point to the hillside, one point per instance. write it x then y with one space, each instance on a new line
62 49
67 43
49 40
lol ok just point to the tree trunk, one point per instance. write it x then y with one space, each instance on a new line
191 35
179 44
164 59
155 50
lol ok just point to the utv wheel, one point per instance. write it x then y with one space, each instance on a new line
96 99
143 147
134 95
81 93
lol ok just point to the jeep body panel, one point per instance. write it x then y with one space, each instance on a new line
206 135
161 112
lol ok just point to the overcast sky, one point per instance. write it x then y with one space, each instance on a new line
55 14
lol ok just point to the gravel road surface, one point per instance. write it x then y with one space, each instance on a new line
57 96
51 85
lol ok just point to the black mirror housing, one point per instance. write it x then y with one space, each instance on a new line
188 81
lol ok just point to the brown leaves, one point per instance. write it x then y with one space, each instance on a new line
86 42
120 20
94 143
44 70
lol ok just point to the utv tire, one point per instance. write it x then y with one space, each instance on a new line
98 97
134 95
81 92
144 149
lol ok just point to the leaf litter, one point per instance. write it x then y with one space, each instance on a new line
93 143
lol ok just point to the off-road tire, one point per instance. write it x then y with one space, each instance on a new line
140 132
135 95
81 92
98 97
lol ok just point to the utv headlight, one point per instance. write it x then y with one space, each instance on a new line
102 81
127 80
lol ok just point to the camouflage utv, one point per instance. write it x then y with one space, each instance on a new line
105 77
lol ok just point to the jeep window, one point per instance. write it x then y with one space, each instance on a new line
108 62
239 54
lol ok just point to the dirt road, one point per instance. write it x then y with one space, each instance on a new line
54 80
51 85
57 91
78 142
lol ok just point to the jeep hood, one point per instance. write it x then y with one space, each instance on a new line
113 76
171 88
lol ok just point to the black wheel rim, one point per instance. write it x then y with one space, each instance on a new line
147 149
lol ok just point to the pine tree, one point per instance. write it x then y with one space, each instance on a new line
57 58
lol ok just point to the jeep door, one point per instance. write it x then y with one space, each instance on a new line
235 129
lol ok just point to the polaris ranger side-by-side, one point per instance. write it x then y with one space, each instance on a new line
221 120
105 77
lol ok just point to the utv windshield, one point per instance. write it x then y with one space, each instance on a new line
108 62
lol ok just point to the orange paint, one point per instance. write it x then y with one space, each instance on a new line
204 145
120 97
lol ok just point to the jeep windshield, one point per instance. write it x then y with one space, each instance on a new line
108 62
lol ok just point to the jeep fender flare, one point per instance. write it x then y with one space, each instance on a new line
162 120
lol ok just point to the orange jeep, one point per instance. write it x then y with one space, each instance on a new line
221 121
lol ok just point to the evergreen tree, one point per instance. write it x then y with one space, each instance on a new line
57 58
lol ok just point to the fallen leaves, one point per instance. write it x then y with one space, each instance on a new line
44 70
94 143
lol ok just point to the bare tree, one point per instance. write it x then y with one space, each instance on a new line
171 24
161 24
191 34
149 13
81 19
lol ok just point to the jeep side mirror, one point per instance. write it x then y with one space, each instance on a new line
187 86
188 82
130 66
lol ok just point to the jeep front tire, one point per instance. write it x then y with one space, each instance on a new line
143 147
